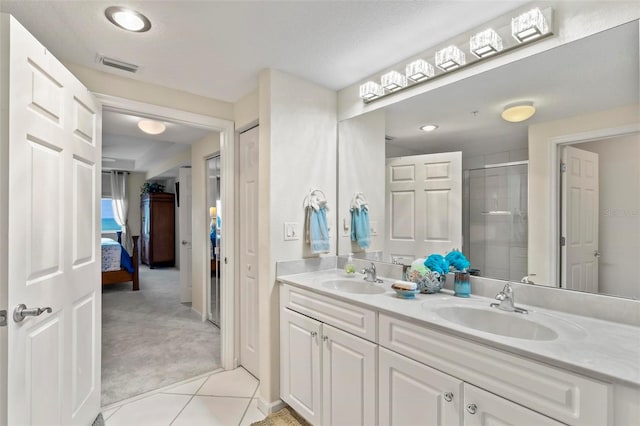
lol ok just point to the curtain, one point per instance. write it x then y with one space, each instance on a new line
120 205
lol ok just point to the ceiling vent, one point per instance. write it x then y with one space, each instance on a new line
114 63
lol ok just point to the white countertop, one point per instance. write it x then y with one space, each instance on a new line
600 349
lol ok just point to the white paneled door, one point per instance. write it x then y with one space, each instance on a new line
186 246
424 202
580 223
54 260
249 353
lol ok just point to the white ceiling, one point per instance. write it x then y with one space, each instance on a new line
217 48
596 73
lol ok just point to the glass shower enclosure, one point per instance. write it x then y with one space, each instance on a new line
495 220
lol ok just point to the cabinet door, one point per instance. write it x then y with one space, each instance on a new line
484 408
300 364
348 379
411 393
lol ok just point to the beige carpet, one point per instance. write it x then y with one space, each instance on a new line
150 339
284 417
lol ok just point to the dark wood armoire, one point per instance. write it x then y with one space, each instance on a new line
157 234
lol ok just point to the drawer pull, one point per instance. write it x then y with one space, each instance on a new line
448 396
472 408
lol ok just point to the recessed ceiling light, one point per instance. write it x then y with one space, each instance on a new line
428 127
151 127
127 19
518 111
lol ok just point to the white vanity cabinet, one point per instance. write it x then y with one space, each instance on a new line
411 393
326 374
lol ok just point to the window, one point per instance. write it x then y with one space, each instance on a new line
109 224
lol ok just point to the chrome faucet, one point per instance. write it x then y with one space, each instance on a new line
507 301
370 274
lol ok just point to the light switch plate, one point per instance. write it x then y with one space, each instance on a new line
373 227
291 231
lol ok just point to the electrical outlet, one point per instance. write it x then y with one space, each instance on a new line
291 231
346 227
373 227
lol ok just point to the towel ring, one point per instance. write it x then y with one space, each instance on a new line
307 199
358 196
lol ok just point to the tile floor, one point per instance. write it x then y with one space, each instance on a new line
221 398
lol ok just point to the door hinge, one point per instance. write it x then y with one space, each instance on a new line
3 318
563 241
563 167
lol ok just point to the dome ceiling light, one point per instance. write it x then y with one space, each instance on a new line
518 111
429 127
152 127
127 19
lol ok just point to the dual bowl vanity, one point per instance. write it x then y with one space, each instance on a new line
352 352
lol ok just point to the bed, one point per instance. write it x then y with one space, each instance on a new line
117 265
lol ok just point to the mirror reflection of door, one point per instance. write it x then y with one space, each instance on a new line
214 231
424 198
579 220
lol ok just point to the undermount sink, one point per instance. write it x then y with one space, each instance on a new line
353 286
507 324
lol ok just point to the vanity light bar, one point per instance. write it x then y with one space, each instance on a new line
393 80
419 70
371 90
450 58
485 43
525 28
528 26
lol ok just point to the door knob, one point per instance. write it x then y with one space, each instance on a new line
21 312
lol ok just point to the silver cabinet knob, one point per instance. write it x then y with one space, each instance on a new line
448 396
472 408
325 338
596 253
21 312
185 242
314 334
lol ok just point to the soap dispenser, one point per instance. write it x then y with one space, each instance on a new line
349 267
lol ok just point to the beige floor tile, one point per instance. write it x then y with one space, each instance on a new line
212 411
155 410
189 388
253 414
237 383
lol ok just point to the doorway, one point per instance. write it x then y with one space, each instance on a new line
221 132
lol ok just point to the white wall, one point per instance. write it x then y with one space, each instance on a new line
181 159
298 131
619 215
572 20
540 135
109 84
200 151
361 165
245 111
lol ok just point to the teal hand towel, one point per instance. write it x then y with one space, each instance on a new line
360 227
318 230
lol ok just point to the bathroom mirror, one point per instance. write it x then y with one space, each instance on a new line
520 216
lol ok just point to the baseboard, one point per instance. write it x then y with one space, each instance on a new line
270 407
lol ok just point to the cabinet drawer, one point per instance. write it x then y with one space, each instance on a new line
345 316
557 393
